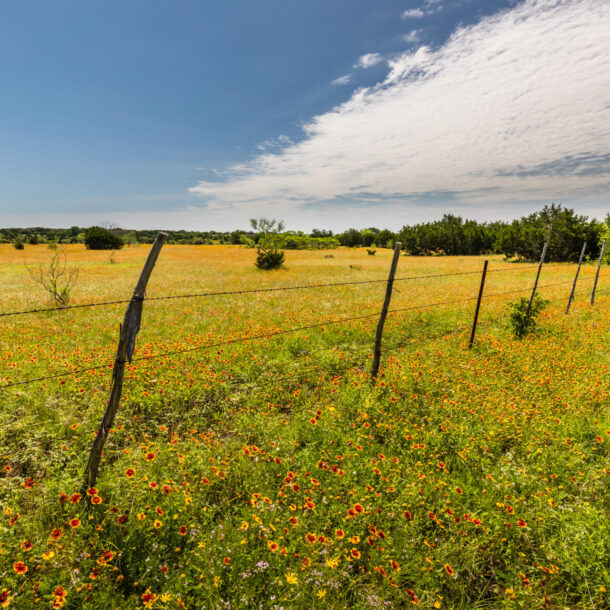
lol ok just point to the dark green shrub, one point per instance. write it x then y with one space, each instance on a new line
98 238
269 259
269 241
18 244
523 322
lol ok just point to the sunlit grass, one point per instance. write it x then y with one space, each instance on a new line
481 474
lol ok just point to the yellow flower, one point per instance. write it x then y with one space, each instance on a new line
244 526
141 516
157 524
48 555
332 563
217 581
165 597
321 593
291 579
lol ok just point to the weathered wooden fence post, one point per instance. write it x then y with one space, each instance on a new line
384 311
599 264
582 255
127 340
529 305
476 311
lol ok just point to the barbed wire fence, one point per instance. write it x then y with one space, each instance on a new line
131 325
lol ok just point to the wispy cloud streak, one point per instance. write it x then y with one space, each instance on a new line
481 117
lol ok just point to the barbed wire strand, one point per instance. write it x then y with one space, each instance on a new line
272 334
244 387
253 291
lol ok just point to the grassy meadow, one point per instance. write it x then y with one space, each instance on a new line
271 473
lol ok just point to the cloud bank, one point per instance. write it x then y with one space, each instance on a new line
513 109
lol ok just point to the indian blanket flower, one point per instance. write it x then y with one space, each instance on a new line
59 597
148 598
56 533
20 567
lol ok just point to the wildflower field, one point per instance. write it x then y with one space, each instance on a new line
272 473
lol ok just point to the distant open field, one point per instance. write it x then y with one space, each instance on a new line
271 472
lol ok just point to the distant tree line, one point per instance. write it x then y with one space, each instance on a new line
563 229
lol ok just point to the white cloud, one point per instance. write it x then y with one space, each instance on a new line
413 13
429 7
368 60
275 143
515 109
412 36
342 80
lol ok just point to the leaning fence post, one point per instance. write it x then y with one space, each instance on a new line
384 311
476 311
582 254
127 340
599 264
529 305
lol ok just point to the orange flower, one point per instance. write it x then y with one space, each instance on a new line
150 456
339 534
182 530
449 569
148 598
355 553
157 524
75 523
20 567
26 545
92 491
56 533
96 500
130 472
311 538
272 546
59 597
226 560
358 508
105 558
5 597
521 523
75 498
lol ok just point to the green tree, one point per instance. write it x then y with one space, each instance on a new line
269 255
563 230
98 238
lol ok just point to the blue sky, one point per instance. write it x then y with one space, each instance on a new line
330 113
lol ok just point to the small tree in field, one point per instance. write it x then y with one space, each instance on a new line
99 238
269 255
